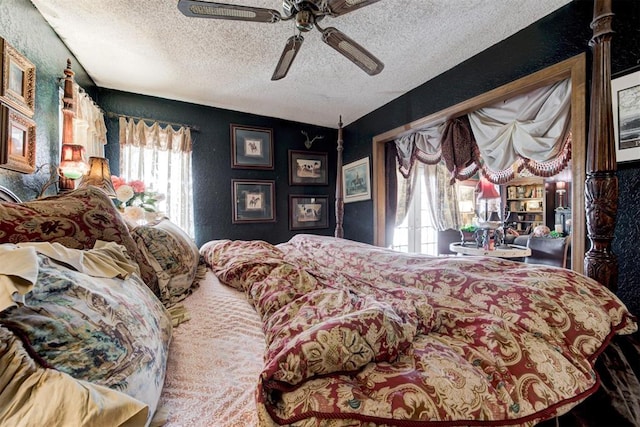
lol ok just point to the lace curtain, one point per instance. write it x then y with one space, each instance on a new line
443 197
89 129
161 158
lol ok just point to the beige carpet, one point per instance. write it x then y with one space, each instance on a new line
214 360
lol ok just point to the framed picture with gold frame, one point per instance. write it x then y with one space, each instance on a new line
18 88
17 141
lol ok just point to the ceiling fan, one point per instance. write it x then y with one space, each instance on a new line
307 14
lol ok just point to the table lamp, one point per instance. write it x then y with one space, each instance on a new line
72 165
99 176
486 192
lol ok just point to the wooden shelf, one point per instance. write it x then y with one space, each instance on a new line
527 201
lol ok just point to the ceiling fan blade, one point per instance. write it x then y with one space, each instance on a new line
288 55
204 9
352 51
340 7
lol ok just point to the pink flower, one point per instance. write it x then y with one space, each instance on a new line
117 181
137 185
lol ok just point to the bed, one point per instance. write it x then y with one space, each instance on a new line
316 330
114 324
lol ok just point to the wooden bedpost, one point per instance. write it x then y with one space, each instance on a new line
601 187
339 196
68 113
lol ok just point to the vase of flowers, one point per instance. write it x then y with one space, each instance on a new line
135 200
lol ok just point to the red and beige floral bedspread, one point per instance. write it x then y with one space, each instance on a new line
361 334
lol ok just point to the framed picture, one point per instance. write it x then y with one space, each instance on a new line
356 184
535 206
17 141
253 201
625 100
307 212
251 147
18 89
307 168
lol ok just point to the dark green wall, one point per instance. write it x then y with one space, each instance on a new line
24 28
557 37
212 173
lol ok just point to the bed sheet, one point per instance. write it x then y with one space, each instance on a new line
215 360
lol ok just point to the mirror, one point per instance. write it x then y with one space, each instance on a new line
573 68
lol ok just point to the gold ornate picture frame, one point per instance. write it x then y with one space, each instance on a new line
17 141
18 88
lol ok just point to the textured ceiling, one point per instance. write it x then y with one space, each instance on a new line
148 47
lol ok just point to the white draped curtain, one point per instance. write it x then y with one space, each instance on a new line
528 131
161 158
89 128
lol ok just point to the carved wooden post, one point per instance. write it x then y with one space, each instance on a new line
601 187
68 108
339 196
68 113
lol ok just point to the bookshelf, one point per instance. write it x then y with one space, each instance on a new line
527 200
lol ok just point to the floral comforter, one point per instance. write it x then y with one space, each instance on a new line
358 334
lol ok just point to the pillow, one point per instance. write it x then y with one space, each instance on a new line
108 331
174 257
31 395
76 220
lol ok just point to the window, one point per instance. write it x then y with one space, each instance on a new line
161 158
417 232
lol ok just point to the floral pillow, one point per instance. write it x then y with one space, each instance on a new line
76 220
35 396
111 332
173 255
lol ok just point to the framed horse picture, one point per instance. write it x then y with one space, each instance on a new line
253 201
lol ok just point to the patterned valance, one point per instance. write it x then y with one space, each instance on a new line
530 131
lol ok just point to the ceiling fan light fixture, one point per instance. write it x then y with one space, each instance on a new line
288 55
305 20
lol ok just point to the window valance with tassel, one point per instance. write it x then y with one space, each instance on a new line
530 131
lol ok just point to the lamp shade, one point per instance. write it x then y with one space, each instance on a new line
512 218
487 190
99 176
72 161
